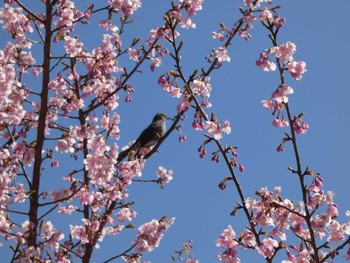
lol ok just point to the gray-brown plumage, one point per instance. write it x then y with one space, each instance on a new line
148 137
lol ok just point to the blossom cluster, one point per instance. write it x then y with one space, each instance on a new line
150 234
279 97
215 128
280 217
285 54
16 24
164 175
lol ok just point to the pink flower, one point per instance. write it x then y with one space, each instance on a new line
226 128
337 232
97 144
62 194
267 248
215 129
198 124
165 176
16 24
332 211
129 170
266 14
67 210
108 24
284 51
280 148
128 7
72 46
229 256
227 238
47 230
201 87
280 94
133 54
300 127
206 104
194 5
218 35
221 55
248 239
184 104
280 123
296 69
187 23
268 104
85 197
155 63
65 145
79 232
126 214
264 63
150 234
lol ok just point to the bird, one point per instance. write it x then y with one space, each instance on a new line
148 137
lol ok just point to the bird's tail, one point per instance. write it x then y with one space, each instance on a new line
126 152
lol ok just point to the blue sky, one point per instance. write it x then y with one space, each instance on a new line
320 32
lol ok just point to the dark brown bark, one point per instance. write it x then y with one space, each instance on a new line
40 139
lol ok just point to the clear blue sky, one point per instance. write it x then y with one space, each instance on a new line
320 29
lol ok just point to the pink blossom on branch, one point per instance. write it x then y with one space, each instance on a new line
221 55
296 69
280 94
165 176
194 5
17 24
218 35
126 214
264 63
280 122
128 7
150 234
228 241
133 54
227 238
267 248
300 127
215 129
284 51
201 87
266 14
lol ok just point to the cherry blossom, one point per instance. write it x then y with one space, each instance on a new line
267 247
165 176
227 241
126 214
128 7
17 24
280 94
296 69
215 129
300 127
201 87
221 55
150 234
264 63
284 51
218 35
72 46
